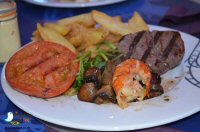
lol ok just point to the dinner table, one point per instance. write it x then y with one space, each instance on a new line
182 15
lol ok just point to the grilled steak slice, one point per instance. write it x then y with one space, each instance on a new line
161 50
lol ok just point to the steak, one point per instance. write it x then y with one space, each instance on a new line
160 50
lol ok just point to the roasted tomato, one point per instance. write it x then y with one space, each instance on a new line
42 69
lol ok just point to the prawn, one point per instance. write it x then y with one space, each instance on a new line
131 81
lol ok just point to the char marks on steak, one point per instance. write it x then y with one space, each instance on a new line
161 50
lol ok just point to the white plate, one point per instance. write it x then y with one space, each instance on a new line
56 3
70 112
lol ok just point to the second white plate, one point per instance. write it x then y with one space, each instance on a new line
60 3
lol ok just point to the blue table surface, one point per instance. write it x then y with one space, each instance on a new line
29 15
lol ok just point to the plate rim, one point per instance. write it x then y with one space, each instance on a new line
74 5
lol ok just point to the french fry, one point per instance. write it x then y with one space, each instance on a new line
76 35
53 36
118 18
112 25
91 39
35 33
76 40
84 36
42 32
87 30
35 39
137 23
36 36
85 19
63 30
93 36
108 36
113 38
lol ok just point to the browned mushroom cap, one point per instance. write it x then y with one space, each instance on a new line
93 75
87 92
104 95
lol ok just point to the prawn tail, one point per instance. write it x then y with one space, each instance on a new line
131 82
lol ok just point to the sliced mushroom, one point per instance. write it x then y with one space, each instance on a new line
104 95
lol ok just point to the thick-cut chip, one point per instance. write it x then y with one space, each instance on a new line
43 33
94 36
63 30
85 19
84 36
111 24
85 30
76 35
36 36
42 69
113 38
137 23
118 18
48 34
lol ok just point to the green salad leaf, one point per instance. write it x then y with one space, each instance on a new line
99 61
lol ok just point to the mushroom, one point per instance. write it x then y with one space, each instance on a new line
93 75
87 92
104 95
